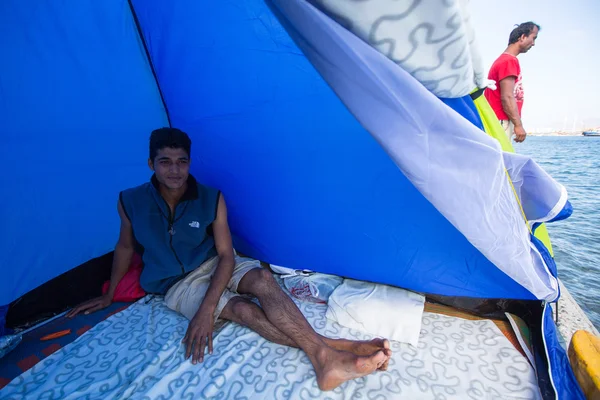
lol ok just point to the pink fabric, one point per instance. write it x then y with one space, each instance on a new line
129 288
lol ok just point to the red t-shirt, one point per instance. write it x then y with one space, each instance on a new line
506 65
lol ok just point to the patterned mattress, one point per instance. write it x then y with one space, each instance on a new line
137 354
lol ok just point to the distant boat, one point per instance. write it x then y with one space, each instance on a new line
591 133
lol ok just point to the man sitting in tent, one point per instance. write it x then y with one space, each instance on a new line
181 228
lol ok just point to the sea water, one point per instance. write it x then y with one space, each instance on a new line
574 161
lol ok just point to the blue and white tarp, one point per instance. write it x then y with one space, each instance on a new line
456 166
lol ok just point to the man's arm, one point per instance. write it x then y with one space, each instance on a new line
224 269
509 105
122 258
200 329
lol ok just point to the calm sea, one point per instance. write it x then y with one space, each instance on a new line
575 163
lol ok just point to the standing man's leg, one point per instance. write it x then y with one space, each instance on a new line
333 367
509 128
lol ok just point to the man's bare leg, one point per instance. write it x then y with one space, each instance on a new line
246 313
332 367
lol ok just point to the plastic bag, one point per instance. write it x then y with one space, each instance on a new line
8 342
313 287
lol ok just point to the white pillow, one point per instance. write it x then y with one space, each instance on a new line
379 310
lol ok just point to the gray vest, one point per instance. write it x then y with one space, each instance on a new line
171 245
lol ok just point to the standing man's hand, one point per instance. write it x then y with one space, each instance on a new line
199 334
510 107
520 134
91 306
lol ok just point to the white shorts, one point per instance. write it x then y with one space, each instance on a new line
186 295
509 128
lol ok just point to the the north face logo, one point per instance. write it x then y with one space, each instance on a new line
195 224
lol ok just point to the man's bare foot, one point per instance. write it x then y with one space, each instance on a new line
363 348
334 367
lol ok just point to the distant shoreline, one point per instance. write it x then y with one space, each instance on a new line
565 133
556 134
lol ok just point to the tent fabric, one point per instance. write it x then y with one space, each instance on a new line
465 107
542 198
563 377
436 149
492 127
3 311
237 102
77 106
314 163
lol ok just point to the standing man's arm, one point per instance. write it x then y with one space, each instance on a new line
509 105
200 329
122 258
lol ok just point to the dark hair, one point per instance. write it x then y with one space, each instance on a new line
169 137
522 29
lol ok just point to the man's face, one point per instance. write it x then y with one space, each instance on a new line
171 166
527 42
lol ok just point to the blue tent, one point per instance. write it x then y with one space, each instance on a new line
290 117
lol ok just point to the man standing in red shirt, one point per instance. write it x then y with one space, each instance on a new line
507 101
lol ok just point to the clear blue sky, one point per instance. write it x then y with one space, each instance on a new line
561 74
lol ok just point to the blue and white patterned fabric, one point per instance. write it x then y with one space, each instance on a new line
137 353
433 40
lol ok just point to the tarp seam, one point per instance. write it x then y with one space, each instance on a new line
141 36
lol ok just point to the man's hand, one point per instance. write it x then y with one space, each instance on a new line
121 261
199 334
520 134
91 305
